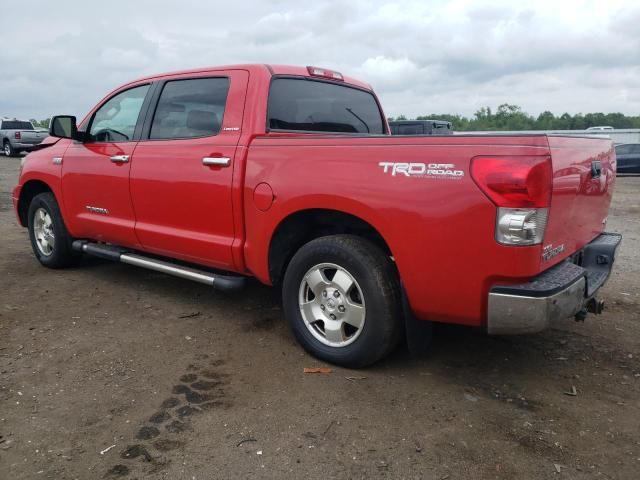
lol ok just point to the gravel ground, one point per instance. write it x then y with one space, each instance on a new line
108 371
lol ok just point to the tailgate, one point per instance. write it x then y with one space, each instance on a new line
583 177
32 136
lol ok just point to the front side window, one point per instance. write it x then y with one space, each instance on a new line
115 121
314 106
190 108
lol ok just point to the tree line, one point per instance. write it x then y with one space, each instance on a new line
40 123
512 117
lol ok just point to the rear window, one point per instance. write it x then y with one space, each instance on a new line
313 106
16 125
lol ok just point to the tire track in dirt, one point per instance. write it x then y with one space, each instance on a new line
200 389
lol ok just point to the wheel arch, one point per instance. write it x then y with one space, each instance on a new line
302 226
28 191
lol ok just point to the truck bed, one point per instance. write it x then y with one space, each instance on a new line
435 225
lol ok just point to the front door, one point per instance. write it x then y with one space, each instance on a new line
182 169
95 173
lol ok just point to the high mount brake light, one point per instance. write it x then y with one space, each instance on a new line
515 182
325 73
521 189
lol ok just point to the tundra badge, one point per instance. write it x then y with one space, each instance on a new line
101 211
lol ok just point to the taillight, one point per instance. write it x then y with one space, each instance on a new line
325 73
514 181
17 135
521 189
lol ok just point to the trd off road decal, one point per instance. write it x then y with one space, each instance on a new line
423 170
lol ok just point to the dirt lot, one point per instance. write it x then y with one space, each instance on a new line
111 371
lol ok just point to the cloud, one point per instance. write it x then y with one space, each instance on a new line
420 56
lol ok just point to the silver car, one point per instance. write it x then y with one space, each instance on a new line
19 135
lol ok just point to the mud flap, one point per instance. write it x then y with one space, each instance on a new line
418 332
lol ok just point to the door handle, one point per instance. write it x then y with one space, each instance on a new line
120 158
217 161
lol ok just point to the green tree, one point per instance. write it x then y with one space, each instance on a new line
545 121
40 123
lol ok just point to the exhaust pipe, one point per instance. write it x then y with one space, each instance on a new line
595 305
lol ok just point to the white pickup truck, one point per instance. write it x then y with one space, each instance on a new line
19 135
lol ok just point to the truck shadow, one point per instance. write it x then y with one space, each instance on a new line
256 308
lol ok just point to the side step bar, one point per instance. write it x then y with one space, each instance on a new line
118 254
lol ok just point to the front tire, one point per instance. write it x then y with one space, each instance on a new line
50 240
341 297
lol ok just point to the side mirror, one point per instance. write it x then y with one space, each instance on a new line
63 126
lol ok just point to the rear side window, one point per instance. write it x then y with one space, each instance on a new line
313 106
415 129
623 149
190 108
16 125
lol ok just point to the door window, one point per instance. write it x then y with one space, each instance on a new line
190 108
115 121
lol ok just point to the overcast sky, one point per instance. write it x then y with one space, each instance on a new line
420 56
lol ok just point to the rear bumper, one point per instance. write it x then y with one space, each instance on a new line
23 146
558 293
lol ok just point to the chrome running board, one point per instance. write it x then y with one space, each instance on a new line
118 254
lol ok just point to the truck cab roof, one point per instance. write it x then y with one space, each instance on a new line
268 69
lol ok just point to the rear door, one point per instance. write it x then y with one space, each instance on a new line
182 170
95 173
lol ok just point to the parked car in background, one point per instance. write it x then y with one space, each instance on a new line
19 135
628 157
604 128
421 127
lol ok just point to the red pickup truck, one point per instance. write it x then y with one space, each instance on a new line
289 175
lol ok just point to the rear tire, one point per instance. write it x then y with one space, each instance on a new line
8 149
50 240
341 297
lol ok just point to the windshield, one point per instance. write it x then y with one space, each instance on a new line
314 106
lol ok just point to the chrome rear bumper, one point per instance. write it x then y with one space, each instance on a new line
561 292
